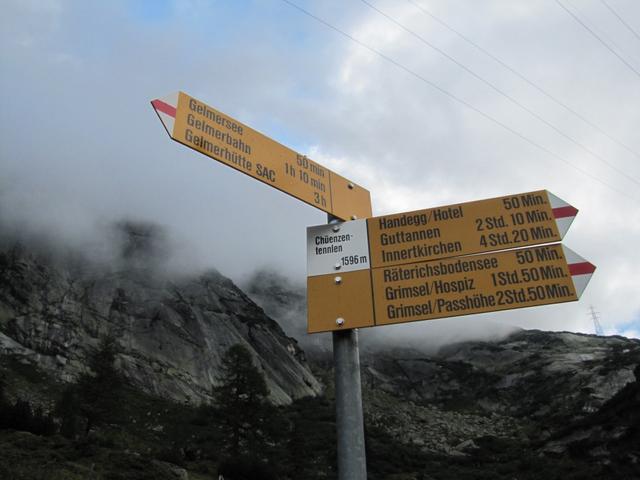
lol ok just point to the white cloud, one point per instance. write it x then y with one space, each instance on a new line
80 144
632 333
469 158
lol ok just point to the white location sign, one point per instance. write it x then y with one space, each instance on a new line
338 247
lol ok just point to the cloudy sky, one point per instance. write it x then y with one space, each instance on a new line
423 102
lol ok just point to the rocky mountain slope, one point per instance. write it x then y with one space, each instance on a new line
287 302
522 402
528 385
555 394
171 330
542 375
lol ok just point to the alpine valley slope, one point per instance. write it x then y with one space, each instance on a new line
551 393
461 409
171 330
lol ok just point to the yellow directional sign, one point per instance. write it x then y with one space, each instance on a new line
478 284
483 226
447 287
205 129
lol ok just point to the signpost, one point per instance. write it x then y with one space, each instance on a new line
478 284
435 263
440 262
208 131
482 226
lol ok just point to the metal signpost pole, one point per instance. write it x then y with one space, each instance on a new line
349 418
349 421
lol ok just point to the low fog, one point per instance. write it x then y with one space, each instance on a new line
141 247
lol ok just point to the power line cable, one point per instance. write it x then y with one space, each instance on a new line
524 78
457 99
631 57
620 18
502 92
590 30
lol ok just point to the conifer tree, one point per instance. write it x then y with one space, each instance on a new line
68 410
4 402
100 395
242 402
97 397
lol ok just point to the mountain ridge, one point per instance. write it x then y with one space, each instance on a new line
171 332
567 399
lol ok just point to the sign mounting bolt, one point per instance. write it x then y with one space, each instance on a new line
339 321
354 217
351 186
337 266
336 228
338 280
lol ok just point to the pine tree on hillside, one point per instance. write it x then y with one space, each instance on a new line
97 397
242 402
67 410
100 394
4 402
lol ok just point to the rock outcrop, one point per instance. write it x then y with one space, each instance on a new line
171 331
283 300
542 375
609 436
527 387
546 390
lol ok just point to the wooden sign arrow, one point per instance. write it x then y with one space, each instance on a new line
488 225
450 287
218 136
436 263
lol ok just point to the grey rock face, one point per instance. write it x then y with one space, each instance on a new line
287 303
526 386
171 333
609 436
521 386
432 428
530 373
